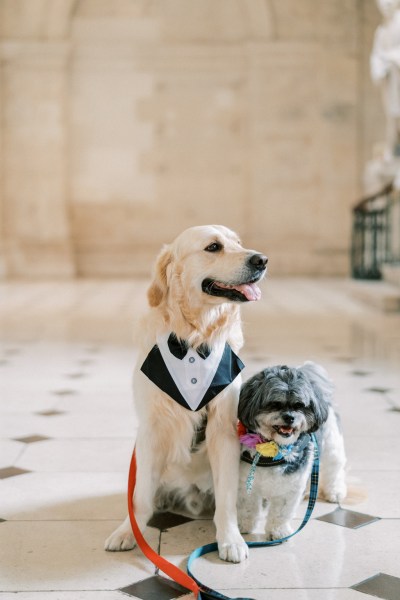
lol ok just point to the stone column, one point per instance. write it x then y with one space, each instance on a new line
34 172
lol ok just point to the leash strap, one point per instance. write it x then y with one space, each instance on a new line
164 565
211 594
189 581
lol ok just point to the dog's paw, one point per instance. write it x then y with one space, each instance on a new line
335 494
119 541
235 553
278 532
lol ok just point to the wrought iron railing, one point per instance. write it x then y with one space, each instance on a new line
376 234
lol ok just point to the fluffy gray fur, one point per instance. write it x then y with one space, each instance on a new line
289 391
281 403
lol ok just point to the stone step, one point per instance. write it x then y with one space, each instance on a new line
391 274
378 294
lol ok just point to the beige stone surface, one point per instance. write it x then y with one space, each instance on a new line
125 121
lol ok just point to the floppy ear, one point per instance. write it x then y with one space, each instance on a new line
159 286
323 389
251 400
320 409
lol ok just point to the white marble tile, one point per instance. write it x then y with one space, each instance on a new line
378 492
78 455
10 451
321 556
64 424
297 594
375 451
67 555
64 496
75 595
106 402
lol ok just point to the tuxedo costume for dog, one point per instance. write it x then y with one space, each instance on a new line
191 377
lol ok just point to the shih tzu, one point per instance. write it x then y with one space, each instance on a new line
278 408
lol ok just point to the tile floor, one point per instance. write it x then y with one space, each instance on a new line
67 430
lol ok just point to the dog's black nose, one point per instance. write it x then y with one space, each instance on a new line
288 418
258 260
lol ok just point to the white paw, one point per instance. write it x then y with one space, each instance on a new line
279 532
119 541
335 495
235 553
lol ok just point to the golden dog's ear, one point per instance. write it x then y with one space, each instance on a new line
158 288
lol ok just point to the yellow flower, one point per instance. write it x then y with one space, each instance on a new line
270 449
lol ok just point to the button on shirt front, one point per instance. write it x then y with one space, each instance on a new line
192 374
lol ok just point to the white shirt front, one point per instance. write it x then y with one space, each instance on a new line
192 374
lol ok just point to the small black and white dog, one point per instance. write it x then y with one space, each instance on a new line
278 408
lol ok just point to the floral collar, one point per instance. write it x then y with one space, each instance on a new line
267 452
263 447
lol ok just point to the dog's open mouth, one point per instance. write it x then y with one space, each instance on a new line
241 292
284 431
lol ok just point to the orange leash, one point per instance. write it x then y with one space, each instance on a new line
166 567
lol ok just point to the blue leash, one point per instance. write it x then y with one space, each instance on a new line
207 593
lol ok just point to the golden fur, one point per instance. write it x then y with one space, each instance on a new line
163 446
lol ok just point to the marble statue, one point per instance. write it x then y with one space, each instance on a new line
385 71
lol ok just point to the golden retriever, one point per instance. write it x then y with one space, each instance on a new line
199 282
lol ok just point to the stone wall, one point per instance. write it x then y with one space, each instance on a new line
125 121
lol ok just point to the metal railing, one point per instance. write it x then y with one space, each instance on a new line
376 234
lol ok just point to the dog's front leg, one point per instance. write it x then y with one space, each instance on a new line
223 450
148 475
281 511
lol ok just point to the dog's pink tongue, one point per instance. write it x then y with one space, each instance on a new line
250 290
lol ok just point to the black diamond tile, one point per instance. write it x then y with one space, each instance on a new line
2 520
77 375
50 413
64 392
12 351
167 520
378 390
393 402
4 362
360 373
85 361
155 588
348 518
31 439
380 586
93 349
12 472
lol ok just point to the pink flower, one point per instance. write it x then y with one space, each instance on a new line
251 439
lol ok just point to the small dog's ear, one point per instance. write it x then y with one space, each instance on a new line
250 400
323 389
159 286
320 410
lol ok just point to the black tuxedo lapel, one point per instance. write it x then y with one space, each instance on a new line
228 369
156 370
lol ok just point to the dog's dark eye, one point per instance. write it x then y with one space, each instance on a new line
214 247
298 406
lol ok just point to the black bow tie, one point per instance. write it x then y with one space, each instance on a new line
179 348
